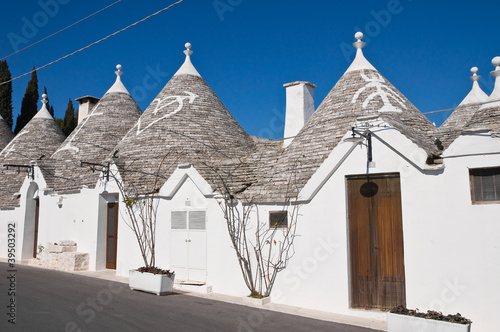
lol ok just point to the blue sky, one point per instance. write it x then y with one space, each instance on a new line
247 49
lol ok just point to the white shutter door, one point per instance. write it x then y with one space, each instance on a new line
179 244
197 246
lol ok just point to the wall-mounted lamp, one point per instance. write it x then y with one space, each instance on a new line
29 168
362 136
60 201
92 166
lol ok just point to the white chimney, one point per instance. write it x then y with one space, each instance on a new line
85 106
299 108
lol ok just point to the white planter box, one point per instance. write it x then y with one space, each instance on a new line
159 284
403 323
254 301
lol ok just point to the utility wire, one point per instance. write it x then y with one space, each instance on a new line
66 28
466 105
94 43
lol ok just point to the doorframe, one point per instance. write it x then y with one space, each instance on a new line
112 266
348 224
173 251
35 231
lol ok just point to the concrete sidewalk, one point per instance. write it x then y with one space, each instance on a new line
378 325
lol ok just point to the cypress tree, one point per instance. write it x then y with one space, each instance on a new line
6 94
60 123
70 120
50 108
29 105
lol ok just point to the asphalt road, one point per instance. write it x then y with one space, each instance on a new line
47 300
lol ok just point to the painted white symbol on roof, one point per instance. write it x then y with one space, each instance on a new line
10 147
69 145
382 90
165 102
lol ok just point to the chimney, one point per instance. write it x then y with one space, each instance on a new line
299 108
85 106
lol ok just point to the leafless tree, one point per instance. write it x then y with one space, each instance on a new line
262 250
142 209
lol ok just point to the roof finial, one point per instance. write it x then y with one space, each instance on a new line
475 77
476 95
188 51
496 62
187 67
494 98
359 44
43 113
360 61
118 85
119 70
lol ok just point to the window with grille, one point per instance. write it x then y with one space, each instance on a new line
278 219
485 185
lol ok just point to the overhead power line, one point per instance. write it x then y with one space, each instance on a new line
58 32
95 43
466 105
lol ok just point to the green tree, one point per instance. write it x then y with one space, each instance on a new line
29 105
50 108
70 119
6 94
60 123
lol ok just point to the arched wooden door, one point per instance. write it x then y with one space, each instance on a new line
376 241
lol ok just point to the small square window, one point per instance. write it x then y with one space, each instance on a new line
485 185
278 219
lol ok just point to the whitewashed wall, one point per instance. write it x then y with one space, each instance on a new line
451 246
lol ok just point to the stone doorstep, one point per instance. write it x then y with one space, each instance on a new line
193 287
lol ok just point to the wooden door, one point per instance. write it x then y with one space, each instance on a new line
376 242
35 241
111 235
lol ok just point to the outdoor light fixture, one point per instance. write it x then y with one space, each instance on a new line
104 167
30 169
362 136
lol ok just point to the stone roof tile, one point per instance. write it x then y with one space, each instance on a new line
40 136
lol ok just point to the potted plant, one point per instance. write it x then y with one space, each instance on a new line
152 280
141 210
401 319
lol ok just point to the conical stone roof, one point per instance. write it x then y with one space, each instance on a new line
185 123
41 136
93 140
6 134
455 123
361 92
487 117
